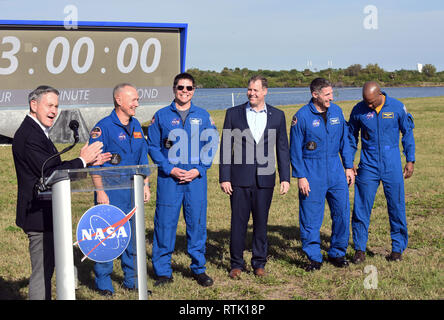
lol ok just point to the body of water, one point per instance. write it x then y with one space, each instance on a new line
211 99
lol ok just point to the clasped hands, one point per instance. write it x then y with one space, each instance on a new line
184 175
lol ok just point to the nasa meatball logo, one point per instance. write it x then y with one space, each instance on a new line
104 232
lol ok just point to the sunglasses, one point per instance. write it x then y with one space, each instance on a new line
189 88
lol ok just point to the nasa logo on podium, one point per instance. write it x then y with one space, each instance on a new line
103 232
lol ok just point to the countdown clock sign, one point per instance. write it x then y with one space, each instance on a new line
87 62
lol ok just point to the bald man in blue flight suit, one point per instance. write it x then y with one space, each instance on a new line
380 118
122 136
318 135
182 141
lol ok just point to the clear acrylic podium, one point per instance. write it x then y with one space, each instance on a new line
63 183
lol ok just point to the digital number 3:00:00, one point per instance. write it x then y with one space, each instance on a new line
88 43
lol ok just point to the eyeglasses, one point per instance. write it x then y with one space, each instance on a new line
189 88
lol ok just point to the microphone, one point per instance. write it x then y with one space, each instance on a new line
74 126
41 184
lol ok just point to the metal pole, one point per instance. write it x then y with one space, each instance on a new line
63 250
140 237
232 99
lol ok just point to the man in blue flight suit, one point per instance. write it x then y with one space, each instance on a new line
122 136
182 141
318 135
379 118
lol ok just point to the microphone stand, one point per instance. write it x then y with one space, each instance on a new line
41 184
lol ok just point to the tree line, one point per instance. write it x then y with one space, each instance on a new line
353 76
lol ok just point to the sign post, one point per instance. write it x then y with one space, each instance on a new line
140 237
63 252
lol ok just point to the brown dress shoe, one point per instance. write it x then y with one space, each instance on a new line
394 256
259 272
235 273
359 257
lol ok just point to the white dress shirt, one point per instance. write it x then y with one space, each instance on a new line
257 121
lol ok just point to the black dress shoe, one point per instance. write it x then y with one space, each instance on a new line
314 265
203 279
163 280
338 262
106 293
394 256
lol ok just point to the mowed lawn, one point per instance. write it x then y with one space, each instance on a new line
418 276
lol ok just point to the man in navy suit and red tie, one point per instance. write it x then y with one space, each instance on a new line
252 132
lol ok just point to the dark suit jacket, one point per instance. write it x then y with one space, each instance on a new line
30 148
243 162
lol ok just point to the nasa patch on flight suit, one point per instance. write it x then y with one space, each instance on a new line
122 136
388 115
311 145
294 121
115 159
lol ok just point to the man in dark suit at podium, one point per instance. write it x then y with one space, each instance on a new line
251 133
31 147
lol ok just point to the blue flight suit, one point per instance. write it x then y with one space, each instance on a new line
186 145
314 152
381 161
128 146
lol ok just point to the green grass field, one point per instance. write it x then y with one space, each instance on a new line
418 276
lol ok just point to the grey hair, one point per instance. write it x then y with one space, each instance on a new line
119 87
37 93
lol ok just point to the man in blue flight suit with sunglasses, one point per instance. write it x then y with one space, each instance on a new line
318 135
123 137
380 118
182 141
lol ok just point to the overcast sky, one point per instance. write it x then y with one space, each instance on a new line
276 34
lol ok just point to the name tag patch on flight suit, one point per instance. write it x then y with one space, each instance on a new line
311 145
334 121
115 158
388 115
168 143
195 121
137 135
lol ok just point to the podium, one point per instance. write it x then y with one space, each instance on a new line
65 182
